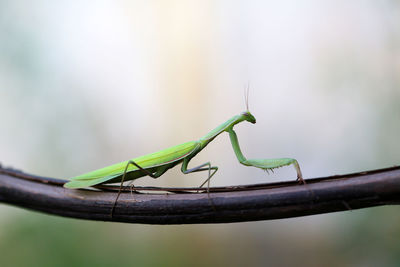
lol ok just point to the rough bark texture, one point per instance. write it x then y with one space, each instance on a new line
225 204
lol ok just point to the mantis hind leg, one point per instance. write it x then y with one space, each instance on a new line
157 174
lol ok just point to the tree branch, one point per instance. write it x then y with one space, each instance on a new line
226 204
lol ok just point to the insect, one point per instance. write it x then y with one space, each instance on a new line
156 164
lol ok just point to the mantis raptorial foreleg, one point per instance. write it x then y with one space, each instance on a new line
265 164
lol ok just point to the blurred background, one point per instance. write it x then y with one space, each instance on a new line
86 84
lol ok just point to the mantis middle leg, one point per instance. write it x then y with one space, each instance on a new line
157 174
200 168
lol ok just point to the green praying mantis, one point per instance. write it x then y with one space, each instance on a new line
156 164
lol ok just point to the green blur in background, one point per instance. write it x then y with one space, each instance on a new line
87 84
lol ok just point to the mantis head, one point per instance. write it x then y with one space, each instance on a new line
247 116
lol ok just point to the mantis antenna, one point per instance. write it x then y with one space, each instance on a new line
246 94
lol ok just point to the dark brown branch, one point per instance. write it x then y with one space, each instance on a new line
231 204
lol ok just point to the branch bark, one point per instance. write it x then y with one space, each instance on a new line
225 205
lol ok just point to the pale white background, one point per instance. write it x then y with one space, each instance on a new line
84 85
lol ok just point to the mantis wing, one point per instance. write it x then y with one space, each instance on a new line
151 162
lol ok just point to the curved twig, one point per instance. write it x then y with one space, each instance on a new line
231 204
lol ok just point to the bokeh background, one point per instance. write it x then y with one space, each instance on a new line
84 84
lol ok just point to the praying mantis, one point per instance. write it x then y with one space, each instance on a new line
156 164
